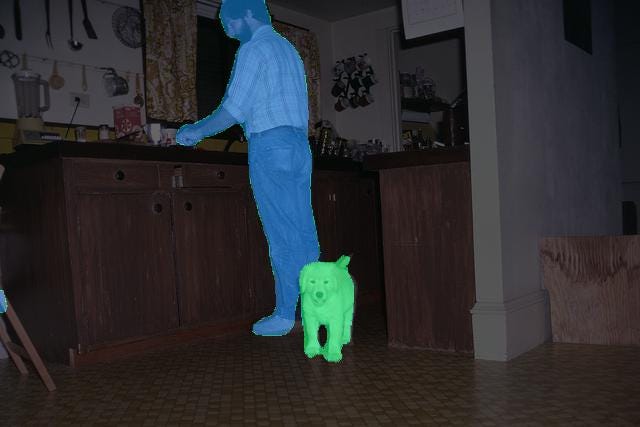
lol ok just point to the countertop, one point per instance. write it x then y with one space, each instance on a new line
402 159
29 154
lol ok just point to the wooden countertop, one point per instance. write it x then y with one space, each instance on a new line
28 154
403 159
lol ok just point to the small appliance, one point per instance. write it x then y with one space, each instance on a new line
29 125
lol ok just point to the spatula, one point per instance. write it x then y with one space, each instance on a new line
87 23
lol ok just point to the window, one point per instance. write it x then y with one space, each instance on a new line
215 56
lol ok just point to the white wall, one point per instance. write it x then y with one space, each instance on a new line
106 51
628 54
368 33
553 137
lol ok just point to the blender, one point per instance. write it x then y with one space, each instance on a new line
29 125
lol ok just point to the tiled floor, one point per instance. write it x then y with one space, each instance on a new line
269 381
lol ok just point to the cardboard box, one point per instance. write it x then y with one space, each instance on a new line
126 119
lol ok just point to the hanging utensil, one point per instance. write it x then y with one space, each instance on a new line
114 84
138 100
1 32
86 22
84 79
47 35
55 80
17 19
73 43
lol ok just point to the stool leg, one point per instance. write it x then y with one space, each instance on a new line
4 337
31 350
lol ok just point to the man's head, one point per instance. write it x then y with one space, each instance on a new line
240 18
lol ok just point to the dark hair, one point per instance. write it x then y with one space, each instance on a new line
235 9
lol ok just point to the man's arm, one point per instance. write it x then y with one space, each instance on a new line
218 121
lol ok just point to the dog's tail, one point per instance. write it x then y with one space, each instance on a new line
343 261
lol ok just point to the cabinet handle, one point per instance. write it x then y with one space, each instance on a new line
188 206
157 208
220 174
119 175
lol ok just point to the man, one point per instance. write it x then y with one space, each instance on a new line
267 94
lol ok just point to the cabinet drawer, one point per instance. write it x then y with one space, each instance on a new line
214 175
120 175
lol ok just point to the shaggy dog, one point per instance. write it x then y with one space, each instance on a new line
327 297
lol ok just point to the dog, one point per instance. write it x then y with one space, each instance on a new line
327 293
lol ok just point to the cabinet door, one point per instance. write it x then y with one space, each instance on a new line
125 266
211 255
323 201
357 231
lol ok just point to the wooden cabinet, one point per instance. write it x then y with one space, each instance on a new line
347 218
428 254
125 266
102 255
211 225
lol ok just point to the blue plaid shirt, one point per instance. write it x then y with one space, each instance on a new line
268 87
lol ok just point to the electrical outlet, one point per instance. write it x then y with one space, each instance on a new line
84 99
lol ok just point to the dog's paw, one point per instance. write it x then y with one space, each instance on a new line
332 355
311 351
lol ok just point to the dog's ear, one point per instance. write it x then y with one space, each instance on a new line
303 278
343 262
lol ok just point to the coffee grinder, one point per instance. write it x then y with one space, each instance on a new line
29 124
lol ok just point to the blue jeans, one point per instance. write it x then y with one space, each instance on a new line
280 164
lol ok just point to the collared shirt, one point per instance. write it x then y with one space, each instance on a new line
268 87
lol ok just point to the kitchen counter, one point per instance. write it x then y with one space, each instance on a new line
425 199
27 154
402 159
111 249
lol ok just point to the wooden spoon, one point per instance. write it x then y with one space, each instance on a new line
56 81
84 79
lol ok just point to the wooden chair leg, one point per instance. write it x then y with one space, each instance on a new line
6 340
28 351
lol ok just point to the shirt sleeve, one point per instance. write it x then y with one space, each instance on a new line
244 78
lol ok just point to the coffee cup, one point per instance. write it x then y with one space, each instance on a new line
338 88
342 104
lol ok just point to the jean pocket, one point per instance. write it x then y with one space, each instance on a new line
279 159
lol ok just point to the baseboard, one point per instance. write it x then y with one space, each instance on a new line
505 330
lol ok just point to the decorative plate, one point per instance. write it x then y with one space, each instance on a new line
127 26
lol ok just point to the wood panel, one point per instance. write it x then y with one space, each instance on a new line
126 266
428 256
114 175
34 257
211 255
594 288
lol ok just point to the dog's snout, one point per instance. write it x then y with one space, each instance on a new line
319 294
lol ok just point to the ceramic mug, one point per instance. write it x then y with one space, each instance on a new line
342 104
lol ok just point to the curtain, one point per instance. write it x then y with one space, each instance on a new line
171 59
306 43
171 34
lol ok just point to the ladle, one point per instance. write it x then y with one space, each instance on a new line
73 43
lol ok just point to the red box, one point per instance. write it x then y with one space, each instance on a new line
126 119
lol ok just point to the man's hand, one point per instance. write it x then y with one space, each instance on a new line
188 135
